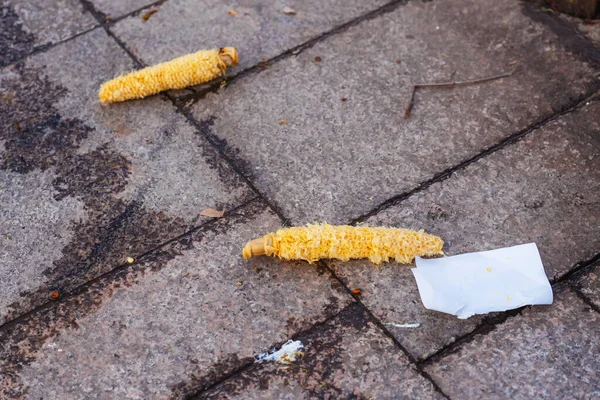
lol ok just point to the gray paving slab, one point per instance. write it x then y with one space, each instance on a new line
531 191
116 9
548 352
87 185
349 357
589 285
334 160
27 25
259 30
172 324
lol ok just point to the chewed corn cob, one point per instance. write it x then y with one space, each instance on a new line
315 242
188 70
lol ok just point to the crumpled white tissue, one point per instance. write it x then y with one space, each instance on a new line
483 282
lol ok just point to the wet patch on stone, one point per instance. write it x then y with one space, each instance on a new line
233 153
22 340
14 41
37 137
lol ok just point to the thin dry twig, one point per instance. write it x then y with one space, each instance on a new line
449 85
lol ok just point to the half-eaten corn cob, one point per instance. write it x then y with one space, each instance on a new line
188 70
315 242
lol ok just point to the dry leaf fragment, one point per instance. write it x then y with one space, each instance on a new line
289 11
147 15
233 13
211 212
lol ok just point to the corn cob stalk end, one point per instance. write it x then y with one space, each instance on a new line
179 73
229 56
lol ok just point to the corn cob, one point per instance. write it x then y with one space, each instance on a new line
188 70
315 242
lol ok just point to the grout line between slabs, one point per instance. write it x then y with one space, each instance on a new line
138 258
246 366
503 143
583 297
293 51
87 7
490 323
386 331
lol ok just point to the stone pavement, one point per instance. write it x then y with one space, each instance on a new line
309 127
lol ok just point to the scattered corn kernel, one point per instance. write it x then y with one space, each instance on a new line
130 260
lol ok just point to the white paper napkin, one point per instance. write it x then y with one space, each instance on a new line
479 283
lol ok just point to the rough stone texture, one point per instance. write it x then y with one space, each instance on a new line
260 30
334 160
589 29
548 352
346 358
26 25
391 292
173 323
530 191
115 180
115 9
589 285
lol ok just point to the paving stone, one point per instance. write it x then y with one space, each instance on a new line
589 285
173 323
530 191
116 9
260 30
548 352
27 25
334 160
107 181
348 357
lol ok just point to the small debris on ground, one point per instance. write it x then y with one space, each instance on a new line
232 13
54 295
289 11
412 325
283 122
356 292
287 354
148 14
318 59
450 84
211 212
344 99
130 260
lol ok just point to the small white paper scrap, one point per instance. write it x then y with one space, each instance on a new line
483 282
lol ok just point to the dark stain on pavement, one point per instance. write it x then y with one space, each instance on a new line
21 341
37 137
314 372
14 41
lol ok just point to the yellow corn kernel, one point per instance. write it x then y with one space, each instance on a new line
188 70
315 242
